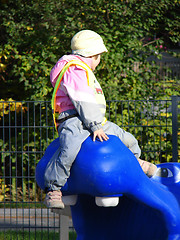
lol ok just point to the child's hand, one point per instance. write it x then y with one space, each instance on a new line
100 134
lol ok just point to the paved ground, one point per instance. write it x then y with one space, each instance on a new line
31 218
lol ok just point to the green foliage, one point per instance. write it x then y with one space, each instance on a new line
3 190
38 235
150 122
36 33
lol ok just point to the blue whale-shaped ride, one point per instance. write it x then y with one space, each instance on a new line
112 198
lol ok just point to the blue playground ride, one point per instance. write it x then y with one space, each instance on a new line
112 198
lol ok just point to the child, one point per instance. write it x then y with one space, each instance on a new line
81 108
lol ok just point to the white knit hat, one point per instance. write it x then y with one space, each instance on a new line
87 43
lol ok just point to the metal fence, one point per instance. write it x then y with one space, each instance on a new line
27 129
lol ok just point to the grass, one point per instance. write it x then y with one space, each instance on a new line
22 205
33 235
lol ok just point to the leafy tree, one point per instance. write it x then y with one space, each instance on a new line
36 33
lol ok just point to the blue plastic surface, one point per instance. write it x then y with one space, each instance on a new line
149 208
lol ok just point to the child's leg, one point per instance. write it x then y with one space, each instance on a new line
131 142
71 135
127 138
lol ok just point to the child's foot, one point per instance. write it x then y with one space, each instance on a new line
54 199
149 168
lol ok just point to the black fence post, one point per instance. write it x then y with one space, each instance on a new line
175 100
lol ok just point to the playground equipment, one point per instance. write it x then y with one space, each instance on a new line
112 198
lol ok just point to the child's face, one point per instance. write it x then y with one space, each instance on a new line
95 61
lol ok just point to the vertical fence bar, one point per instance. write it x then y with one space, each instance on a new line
3 165
175 128
64 227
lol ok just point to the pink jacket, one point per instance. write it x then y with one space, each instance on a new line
74 92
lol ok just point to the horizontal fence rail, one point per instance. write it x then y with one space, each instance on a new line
27 129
